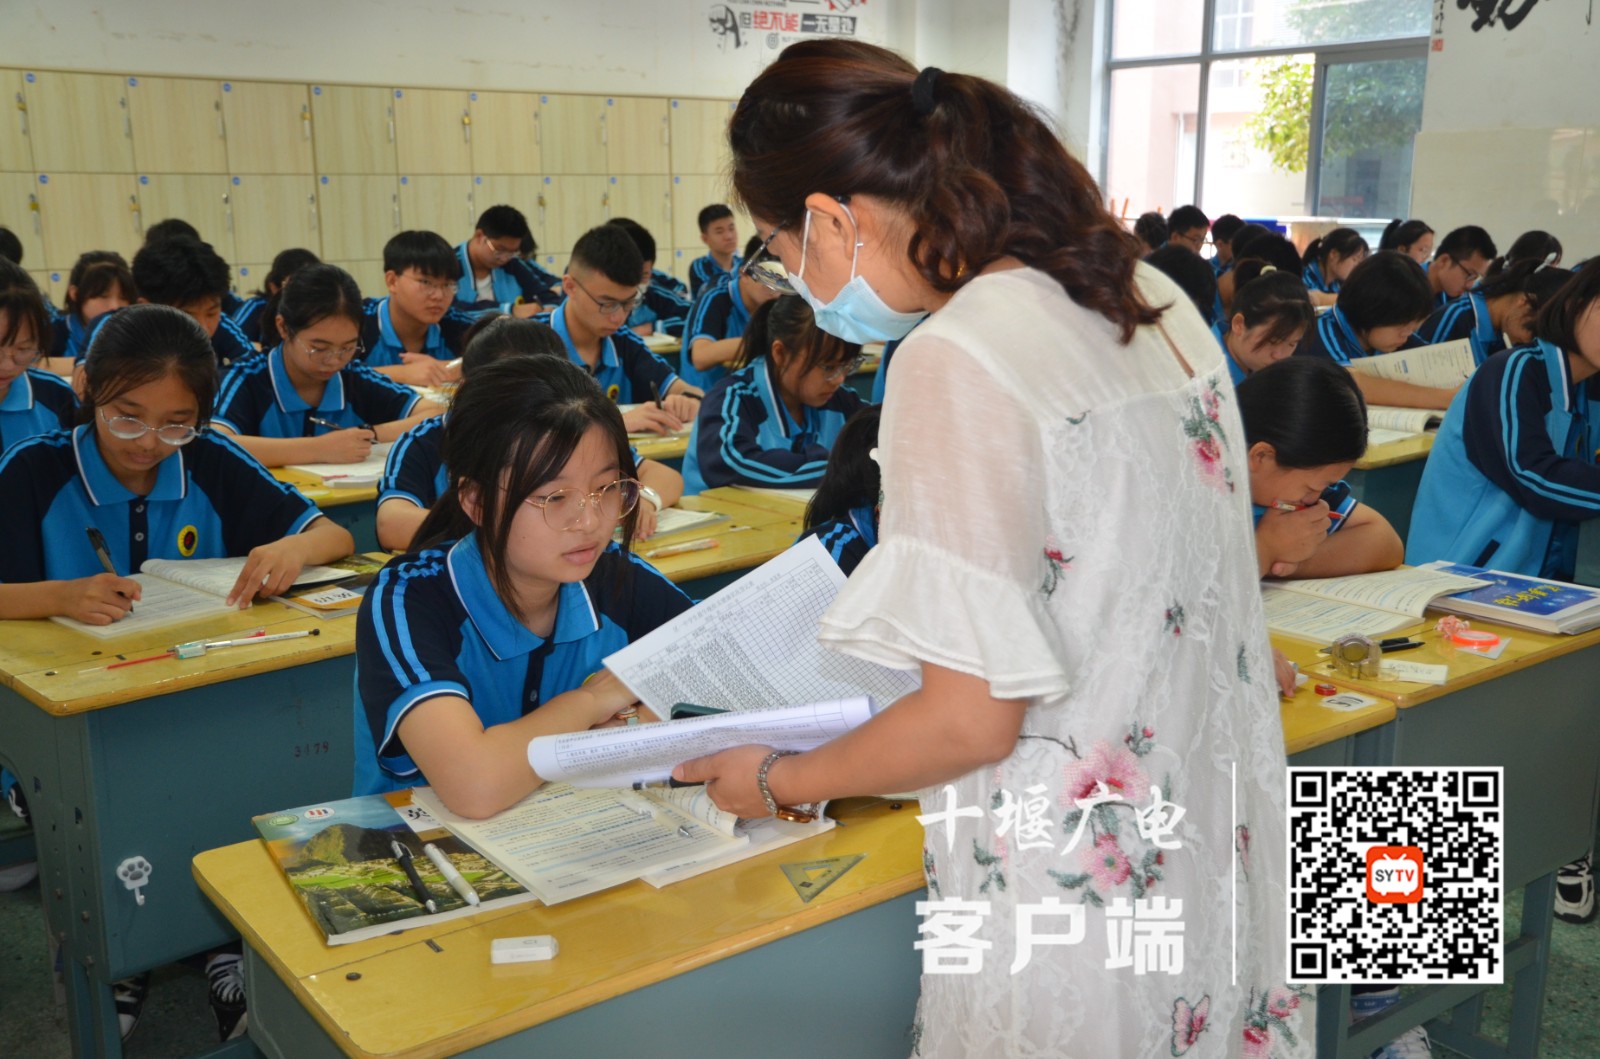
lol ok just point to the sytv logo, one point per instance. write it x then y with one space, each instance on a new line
1394 875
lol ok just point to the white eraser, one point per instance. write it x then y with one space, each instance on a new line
523 950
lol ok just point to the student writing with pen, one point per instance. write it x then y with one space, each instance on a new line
308 400
143 470
1305 425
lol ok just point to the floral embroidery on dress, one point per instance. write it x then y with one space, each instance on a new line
1203 427
931 872
1056 565
1175 619
1189 1022
1104 793
1244 664
990 862
1267 1016
1241 842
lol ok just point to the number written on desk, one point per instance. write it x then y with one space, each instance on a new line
309 749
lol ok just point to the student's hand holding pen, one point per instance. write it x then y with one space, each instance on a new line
682 405
346 445
98 600
1286 538
422 369
647 418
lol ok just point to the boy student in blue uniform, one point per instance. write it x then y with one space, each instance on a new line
100 282
495 630
1412 238
493 274
721 235
1328 262
414 476
1504 304
143 471
1379 309
1223 229
1463 257
308 400
843 514
190 276
718 320
602 291
176 227
1187 228
773 421
413 334
1305 425
32 402
665 309
1271 314
1512 472
257 313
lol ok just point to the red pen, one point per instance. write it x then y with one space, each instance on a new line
136 661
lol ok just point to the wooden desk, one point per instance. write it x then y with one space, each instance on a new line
1386 478
667 448
749 538
793 507
728 963
355 507
1532 713
157 760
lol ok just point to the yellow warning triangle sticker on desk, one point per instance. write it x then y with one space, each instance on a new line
810 877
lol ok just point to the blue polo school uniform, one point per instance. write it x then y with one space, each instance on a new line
37 402
431 625
668 281
414 469
665 308
1313 278
1341 502
247 316
626 367
69 336
383 346
848 539
1513 468
227 342
719 312
1236 371
744 435
704 271
211 500
1332 336
258 399
515 282
1467 317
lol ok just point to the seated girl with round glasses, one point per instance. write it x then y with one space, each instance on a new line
308 400
487 635
142 471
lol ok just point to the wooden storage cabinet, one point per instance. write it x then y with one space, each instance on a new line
88 211
273 212
506 133
269 127
433 130
204 201
358 215
79 123
178 125
20 211
353 129
16 146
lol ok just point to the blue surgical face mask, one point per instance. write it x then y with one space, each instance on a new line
856 313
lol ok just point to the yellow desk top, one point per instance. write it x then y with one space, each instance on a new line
321 494
46 662
749 538
611 943
661 446
1403 451
782 505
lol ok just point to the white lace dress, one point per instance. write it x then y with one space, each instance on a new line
1067 517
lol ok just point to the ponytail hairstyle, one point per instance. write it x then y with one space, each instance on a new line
789 319
21 305
1558 319
853 478
497 335
1274 297
1385 290
144 343
512 427
96 274
1343 242
1399 234
286 264
316 292
1309 410
979 173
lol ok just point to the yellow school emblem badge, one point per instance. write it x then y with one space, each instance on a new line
188 540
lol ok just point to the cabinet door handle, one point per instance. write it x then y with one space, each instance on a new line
22 111
466 125
227 208
138 214
391 124
396 199
222 124
305 121
311 202
33 208
538 128
127 118
603 135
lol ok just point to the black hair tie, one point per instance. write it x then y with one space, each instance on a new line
922 100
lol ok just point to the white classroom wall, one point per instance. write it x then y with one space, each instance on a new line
1511 126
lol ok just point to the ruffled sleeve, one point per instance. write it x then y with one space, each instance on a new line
958 577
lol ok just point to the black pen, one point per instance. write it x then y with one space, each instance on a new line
1389 646
655 393
402 853
97 541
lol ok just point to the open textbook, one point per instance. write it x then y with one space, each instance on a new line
1444 366
1370 604
1517 599
179 590
350 475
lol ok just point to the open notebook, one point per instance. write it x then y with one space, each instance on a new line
179 590
350 475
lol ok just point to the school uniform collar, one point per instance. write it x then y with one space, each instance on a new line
1235 370
172 479
1560 369
608 348
769 396
740 313
1343 330
432 344
1314 271
1482 326
288 398
865 520
505 636
468 280
19 398
77 333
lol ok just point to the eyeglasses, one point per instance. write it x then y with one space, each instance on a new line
21 356
563 509
500 253
610 306
764 267
332 354
1472 276
130 429
844 369
432 287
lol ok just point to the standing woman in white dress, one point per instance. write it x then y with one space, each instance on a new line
1065 555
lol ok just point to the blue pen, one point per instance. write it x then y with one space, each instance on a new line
97 541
